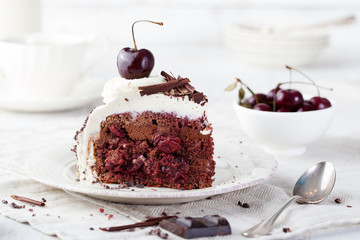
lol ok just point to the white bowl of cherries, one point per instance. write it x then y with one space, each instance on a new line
282 121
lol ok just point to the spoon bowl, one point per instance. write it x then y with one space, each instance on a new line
314 185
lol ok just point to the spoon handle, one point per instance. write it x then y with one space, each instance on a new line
265 226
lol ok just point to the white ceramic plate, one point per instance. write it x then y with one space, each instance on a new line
236 168
87 92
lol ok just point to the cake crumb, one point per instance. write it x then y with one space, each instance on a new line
4 201
102 210
243 205
30 209
246 205
33 215
126 99
349 206
337 200
110 216
286 230
158 232
14 205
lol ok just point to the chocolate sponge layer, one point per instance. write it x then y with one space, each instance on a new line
156 150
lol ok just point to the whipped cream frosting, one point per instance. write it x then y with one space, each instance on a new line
122 95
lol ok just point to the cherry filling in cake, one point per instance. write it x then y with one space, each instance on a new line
155 149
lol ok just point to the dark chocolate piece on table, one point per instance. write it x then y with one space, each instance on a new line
188 227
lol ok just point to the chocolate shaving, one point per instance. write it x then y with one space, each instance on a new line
162 87
147 223
175 87
28 200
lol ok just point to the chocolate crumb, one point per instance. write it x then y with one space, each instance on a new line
202 210
286 230
236 166
208 198
126 99
129 184
91 215
132 190
43 199
337 200
158 232
131 230
177 213
48 215
139 185
14 205
30 209
77 179
58 216
147 216
349 206
163 214
4 201
91 228
246 205
33 215
239 203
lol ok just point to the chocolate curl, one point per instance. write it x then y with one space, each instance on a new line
28 200
146 223
163 87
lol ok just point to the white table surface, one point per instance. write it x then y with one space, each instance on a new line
218 66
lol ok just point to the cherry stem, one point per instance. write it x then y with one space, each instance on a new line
247 87
132 29
312 81
317 86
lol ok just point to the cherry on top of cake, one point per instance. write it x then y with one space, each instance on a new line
135 64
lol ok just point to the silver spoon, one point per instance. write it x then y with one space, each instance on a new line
312 187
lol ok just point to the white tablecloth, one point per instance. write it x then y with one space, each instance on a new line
68 216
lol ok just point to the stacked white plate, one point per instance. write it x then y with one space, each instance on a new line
271 47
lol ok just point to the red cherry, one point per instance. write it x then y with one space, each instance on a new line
289 98
320 103
262 107
307 106
271 95
134 64
252 100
